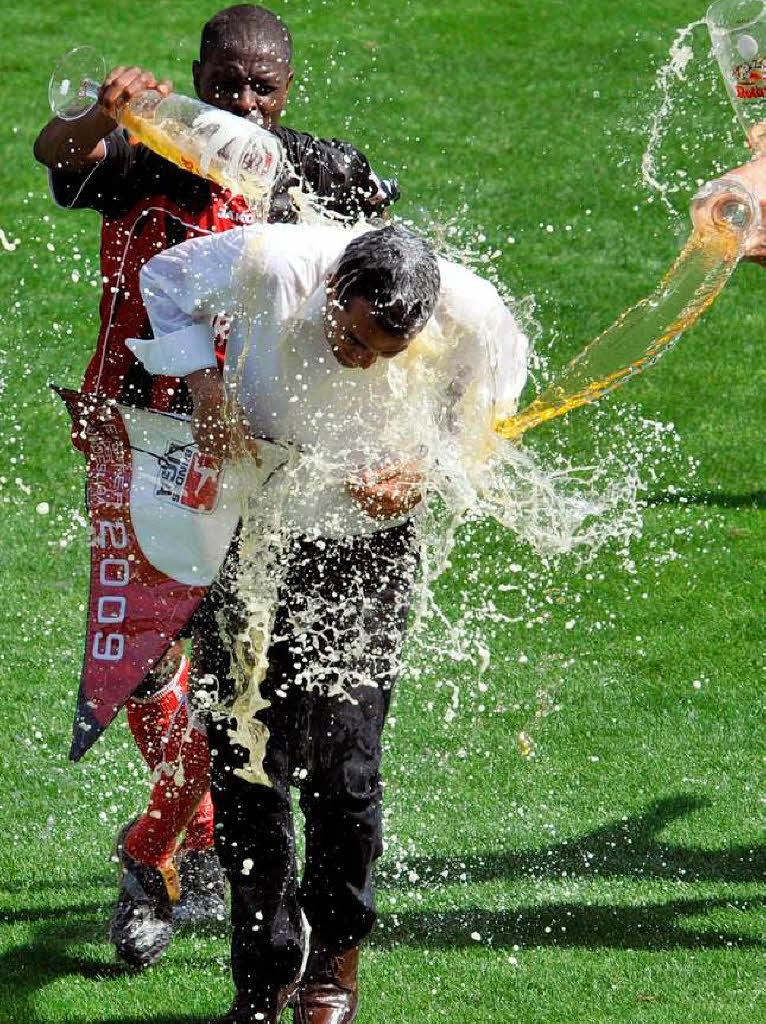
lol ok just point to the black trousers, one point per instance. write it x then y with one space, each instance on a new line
333 659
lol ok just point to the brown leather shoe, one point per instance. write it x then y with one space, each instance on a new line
329 991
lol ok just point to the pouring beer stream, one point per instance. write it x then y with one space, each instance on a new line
727 225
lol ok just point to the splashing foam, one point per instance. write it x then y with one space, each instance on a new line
471 476
680 55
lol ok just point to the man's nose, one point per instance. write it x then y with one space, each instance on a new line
366 359
246 101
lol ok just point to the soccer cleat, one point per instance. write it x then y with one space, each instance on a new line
202 888
142 926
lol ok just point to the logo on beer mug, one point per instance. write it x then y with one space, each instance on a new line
750 79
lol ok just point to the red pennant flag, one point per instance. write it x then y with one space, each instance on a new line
162 520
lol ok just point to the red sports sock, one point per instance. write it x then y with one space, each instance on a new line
184 779
199 831
150 719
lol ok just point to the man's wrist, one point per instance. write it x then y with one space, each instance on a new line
103 124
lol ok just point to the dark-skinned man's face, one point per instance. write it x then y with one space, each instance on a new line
245 79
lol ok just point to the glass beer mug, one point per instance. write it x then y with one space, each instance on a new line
738 33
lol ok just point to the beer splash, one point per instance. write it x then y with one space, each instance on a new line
725 213
472 480
674 70
532 505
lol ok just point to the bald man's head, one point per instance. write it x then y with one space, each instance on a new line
244 64
247 25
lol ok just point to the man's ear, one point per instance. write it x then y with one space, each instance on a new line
196 76
290 77
329 283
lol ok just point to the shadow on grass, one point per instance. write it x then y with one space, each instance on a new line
564 925
27 969
56 885
623 849
756 499
19 914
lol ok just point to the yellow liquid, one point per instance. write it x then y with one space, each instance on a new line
174 141
642 333
164 140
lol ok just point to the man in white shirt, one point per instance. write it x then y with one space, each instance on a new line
382 369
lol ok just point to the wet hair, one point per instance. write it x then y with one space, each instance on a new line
246 23
396 272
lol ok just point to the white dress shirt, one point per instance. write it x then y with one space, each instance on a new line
435 402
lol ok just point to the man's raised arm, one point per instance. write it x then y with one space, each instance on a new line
183 288
77 144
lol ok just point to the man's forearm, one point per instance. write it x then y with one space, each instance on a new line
74 145
208 424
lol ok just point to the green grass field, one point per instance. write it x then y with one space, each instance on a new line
614 876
